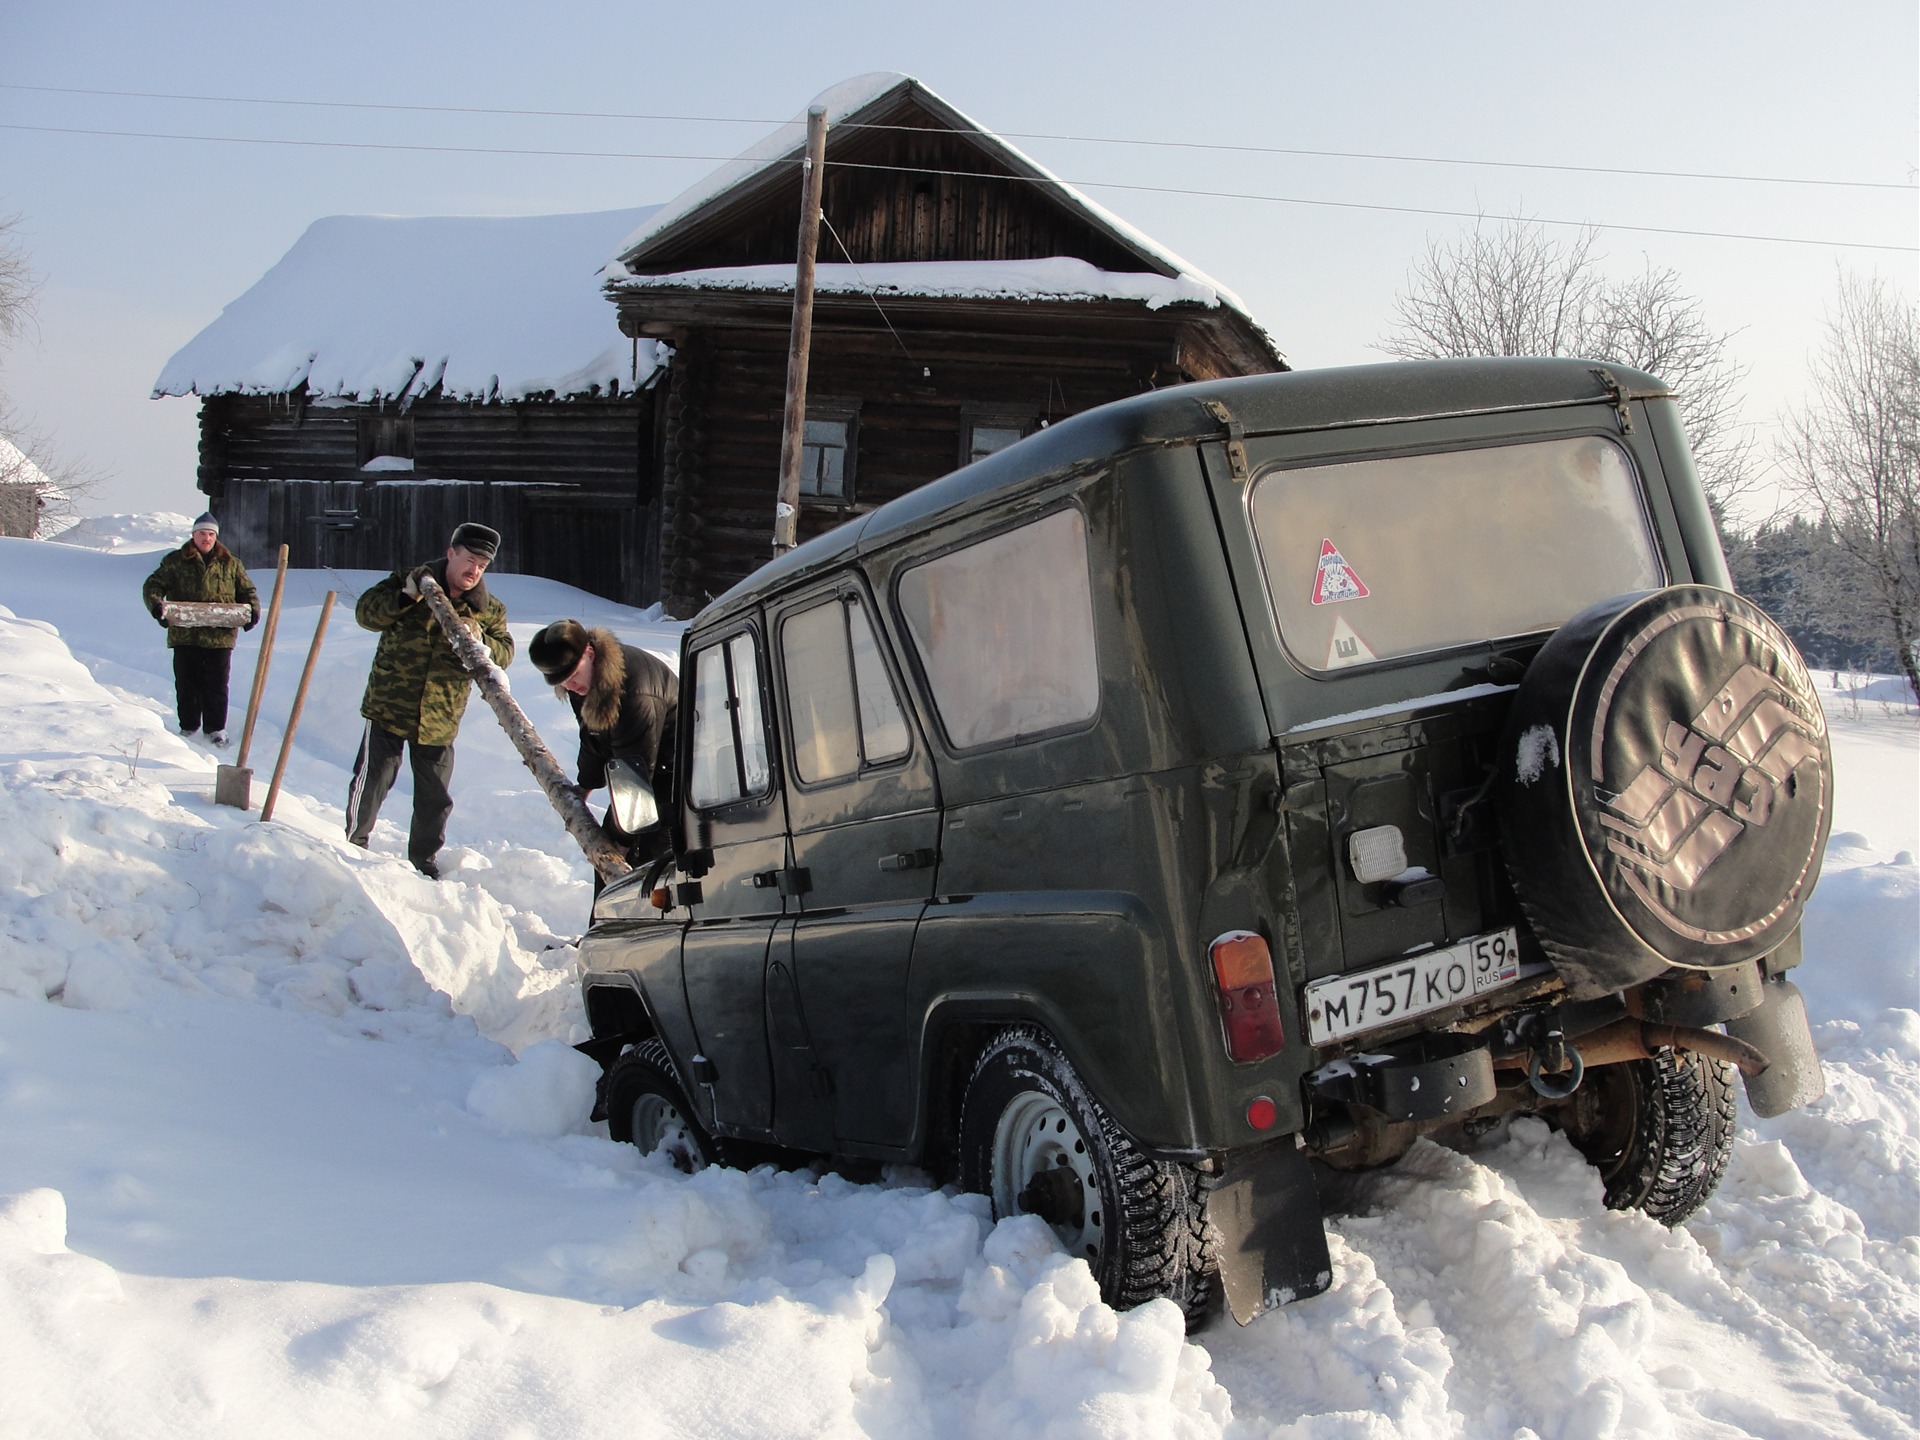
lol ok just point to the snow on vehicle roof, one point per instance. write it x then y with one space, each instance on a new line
373 307
844 104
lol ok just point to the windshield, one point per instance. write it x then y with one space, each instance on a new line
1375 559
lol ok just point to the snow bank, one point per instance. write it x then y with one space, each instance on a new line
266 1175
377 307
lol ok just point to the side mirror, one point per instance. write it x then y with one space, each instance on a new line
633 804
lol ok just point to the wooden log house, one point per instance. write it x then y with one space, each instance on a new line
390 378
965 298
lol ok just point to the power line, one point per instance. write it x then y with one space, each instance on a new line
1004 134
967 174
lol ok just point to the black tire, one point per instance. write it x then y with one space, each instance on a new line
647 1107
1139 1223
1659 1131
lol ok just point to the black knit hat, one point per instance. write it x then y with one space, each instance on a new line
478 538
557 649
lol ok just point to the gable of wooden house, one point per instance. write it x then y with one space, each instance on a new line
964 297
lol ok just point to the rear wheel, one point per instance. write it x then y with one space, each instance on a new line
647 1108
1036 1141
1659 1131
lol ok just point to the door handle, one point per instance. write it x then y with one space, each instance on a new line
908 860
795 881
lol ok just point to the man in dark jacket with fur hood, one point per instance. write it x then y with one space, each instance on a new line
204 571
624 699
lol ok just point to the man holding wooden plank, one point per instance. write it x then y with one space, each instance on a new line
417 689
202 595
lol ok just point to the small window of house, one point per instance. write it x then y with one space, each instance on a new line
386 443
729 726
840 700
1004 630
986 437
1373 559
827 452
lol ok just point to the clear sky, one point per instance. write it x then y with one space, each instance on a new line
141 241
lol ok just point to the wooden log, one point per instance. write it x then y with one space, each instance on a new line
492 682
204 615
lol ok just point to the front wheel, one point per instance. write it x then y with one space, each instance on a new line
1037 1143
647 1108
1659 1131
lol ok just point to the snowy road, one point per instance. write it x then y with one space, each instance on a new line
275 1170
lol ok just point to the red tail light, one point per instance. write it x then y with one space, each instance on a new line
1249 1008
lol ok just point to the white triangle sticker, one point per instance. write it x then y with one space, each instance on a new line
1346 648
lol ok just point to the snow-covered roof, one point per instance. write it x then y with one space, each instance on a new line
17 467
380 307
844 103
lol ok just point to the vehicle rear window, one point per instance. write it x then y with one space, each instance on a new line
1374 559
1004 629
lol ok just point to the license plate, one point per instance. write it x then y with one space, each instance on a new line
1344 1005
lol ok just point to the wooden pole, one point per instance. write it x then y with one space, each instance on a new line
265 658
299 702
566 801
786 509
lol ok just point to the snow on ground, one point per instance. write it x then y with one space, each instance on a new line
295 1144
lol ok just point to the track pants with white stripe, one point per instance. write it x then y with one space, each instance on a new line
375 769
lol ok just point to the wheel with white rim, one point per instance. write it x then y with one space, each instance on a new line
1036 1142
647 1109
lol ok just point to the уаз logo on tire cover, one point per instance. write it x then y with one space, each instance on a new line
1711 813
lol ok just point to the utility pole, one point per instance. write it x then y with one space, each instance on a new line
786 509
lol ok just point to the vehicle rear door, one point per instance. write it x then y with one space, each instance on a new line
864 820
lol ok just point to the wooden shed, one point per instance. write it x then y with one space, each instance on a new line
390 378
965 297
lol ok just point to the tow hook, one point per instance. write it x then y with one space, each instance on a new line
1547 1060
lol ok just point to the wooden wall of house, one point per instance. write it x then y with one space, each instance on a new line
570 485
915 393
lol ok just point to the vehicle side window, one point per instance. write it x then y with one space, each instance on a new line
1004 629
729 727
840 701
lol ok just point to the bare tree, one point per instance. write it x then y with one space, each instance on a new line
1513 289
1854 450
17 282
37 489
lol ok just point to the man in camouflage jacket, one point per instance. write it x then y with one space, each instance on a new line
202 570
417 689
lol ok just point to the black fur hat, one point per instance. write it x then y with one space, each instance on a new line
480 539
557 649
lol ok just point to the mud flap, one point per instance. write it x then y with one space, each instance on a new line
1778 1029
1265 1208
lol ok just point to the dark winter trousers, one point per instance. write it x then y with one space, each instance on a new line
200 687
375 769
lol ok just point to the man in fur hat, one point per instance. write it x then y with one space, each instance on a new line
417 689
202 570
625 700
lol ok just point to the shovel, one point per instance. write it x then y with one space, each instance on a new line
233 784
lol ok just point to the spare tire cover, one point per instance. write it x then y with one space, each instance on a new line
1665 787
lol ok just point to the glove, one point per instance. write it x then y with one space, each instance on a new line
255 620
159 613
410 587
